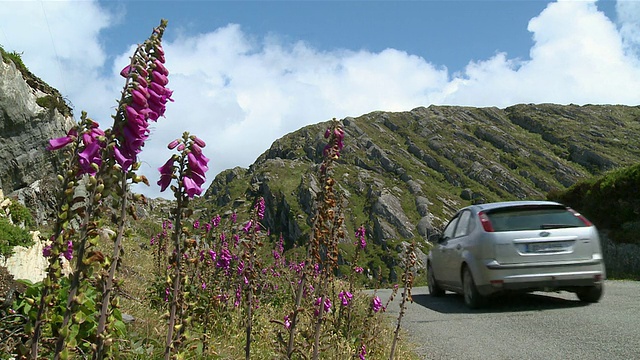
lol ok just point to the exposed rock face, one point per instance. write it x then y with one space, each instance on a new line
30 115
25 128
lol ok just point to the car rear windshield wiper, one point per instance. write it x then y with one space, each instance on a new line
558 226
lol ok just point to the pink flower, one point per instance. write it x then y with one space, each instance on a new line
59 143
172 145
89 159
198 141
190 187
345 297
326 305
68 254
360 234
287 322
260 208
46 251
166 173
247 227
215 221
376 304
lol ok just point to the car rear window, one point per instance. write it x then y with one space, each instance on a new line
533 218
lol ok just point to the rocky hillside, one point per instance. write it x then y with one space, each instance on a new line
402 174
31 113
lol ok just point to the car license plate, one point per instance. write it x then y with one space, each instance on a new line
546 247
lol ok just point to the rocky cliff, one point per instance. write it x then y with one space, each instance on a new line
31 113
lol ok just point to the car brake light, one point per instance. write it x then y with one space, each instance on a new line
579 216
486 223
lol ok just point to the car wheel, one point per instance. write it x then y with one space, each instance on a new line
590 294
472 297
434 288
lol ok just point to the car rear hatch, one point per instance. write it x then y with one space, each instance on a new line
540 234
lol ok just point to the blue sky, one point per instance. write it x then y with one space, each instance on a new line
245 73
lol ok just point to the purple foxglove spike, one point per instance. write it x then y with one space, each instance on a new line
172 145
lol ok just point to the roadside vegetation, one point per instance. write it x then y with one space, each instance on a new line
199 285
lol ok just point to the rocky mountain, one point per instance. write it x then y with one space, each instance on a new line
403 174
31 113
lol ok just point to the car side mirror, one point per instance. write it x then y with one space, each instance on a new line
435 238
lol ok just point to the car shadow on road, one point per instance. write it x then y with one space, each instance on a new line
454 303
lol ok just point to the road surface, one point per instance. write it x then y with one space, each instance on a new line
545 326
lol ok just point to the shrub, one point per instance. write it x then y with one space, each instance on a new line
10 236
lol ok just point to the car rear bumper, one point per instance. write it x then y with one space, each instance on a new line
567 275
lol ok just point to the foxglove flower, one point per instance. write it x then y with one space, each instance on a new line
215 221
363 352
166 173
190 187
68 254
145 97
376 304
46 251
360 234
59 143
260 208
345 297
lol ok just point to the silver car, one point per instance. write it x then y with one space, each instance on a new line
516 245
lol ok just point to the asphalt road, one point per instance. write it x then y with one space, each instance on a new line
544 326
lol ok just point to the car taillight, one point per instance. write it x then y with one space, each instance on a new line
486 223
579 216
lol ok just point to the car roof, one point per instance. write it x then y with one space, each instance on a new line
503 204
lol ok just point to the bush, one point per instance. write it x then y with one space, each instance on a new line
10 236
20 214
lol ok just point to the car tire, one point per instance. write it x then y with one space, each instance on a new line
590 294
434 289
472 298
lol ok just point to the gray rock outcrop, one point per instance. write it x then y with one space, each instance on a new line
25 128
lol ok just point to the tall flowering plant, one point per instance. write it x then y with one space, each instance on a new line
184 174
322 251
100 164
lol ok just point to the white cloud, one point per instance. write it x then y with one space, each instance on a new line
577 57
628 13
240 93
